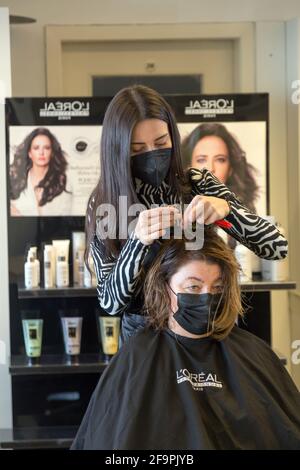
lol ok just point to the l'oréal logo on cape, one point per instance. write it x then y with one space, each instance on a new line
210 108
198 381
65 109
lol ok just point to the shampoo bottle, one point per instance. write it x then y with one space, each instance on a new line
275 270
243 257
62 272
78 244
33 251
48 267
30 272
80 264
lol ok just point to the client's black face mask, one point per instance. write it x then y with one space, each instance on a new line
151 167
197 312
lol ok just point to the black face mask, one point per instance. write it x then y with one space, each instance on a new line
197 312
151 167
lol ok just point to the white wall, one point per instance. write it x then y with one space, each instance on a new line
28 41
293 139
5 90
270 63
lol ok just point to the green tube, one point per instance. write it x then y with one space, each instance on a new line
33 331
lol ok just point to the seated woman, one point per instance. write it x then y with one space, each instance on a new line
192 379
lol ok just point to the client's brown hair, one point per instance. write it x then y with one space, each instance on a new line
171 257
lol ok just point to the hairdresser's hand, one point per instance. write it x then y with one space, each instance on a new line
205 209
153 223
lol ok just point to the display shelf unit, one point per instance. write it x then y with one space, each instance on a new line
96 363
55 375
59 437
58 364
41 292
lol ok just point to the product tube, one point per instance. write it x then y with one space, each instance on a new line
109 330
78 246
33 332
72 327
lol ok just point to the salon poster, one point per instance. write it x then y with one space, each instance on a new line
53 154
54 147
228 134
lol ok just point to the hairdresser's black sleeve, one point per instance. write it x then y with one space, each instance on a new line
248 228
117 279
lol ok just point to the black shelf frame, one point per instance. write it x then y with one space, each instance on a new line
56 292
58 364
60 437
41 292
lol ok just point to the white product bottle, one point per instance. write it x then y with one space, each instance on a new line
255 264
30 272
275 270
94 277
48 275
87 277
243 257
78 243
33 251
80 260
62 272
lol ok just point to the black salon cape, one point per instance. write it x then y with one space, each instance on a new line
240 396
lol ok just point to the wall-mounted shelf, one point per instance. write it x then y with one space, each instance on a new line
38 438
58 364
264 286
41 292
52 364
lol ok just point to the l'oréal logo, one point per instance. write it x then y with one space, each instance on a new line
65 109
210 108
198 380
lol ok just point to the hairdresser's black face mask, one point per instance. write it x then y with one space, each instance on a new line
197 312
151 167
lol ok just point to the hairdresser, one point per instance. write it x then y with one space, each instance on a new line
141 161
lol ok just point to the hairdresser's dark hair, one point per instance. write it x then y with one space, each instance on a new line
54 182
128 107
242 179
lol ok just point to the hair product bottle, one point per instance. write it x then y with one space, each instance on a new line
32 326
62 272
72 326
48 266
243 257
109 328
78 245
275 270
33 251
80 265
30 272
90 279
